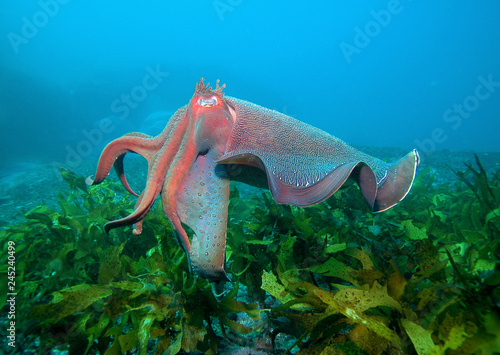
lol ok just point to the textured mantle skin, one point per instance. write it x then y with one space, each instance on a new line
187 167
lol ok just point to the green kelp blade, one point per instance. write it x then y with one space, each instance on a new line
70 300
420 337
335 306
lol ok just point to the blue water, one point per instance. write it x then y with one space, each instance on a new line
77 74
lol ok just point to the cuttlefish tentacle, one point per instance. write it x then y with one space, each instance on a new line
120 171
117 148
118 165
159 162
140 211
183 159
171 213
145 201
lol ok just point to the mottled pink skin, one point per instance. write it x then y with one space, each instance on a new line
186 166
194 137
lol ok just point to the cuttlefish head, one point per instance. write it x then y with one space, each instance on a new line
214 116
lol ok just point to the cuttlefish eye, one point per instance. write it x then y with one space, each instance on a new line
207 102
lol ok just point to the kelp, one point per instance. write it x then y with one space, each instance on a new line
424 281
330 279
82 289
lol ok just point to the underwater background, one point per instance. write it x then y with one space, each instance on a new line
384 76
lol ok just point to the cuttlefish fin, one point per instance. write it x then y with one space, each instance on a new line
305 165
397 183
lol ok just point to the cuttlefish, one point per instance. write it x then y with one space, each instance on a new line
188 165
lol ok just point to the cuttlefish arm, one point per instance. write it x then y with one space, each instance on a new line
305 165
114 153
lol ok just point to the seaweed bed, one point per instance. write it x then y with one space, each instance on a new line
421 278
